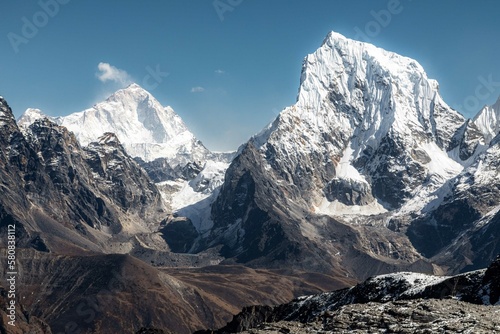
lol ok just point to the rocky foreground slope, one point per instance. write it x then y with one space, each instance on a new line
393 303
422 316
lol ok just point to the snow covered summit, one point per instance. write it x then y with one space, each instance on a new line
369 146
367 115
30 116
146 128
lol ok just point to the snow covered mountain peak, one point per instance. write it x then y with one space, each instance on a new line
132 92
370 92
385 58
144 127
340 58
30 116
488 121
131 108
377 85
365 114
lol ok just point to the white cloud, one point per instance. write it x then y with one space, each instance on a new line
219 71
108 72
197 89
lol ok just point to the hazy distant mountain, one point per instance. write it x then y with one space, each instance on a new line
146 128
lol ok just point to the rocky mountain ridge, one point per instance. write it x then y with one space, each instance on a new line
158 140
68 197
407 301
369 147
76 207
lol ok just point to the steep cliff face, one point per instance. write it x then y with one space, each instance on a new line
73 200
22 177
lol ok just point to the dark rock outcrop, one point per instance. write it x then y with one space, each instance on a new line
179 233
159 170
349 192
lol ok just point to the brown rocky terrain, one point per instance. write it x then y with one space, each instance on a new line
96 293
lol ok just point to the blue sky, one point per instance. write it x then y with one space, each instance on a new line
232 64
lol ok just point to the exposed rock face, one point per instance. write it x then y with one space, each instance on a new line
349 192
467 139
179 233
67 197
159 170
152 331
120 178
21 176
491 282
458 230
61 155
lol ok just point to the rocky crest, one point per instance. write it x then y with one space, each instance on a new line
121 178
399 302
